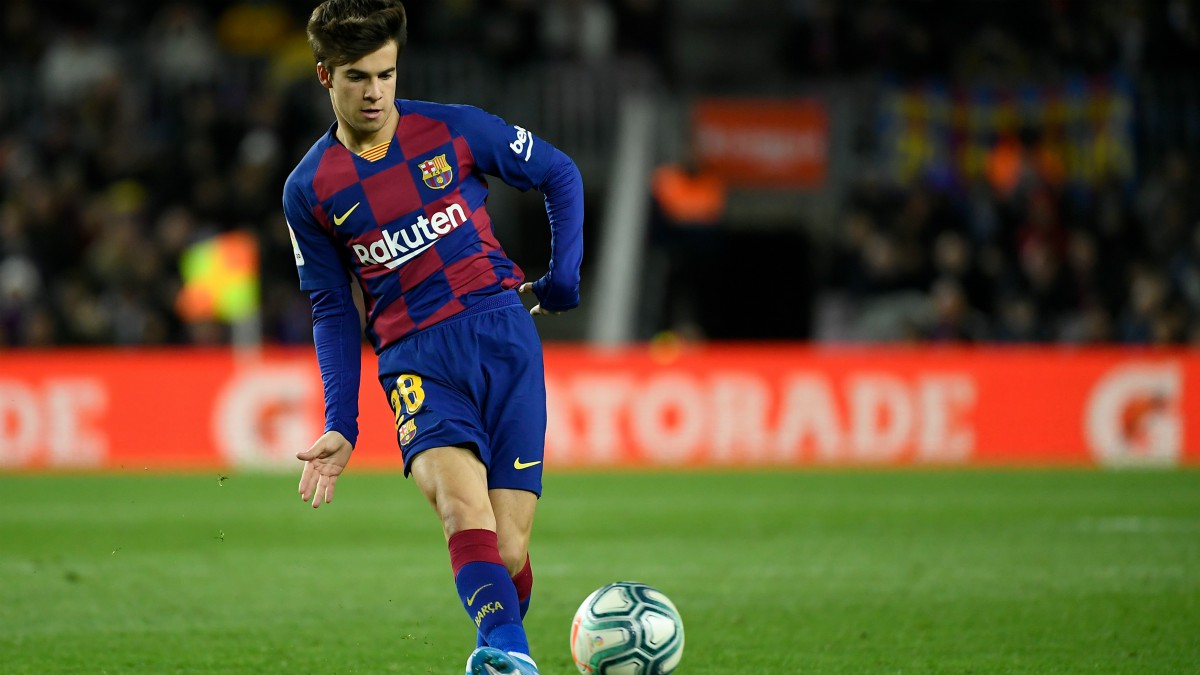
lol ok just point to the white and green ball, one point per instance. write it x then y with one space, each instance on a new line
627 628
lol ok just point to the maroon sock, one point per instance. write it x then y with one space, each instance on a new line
523 580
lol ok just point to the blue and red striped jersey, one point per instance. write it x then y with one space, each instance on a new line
413 225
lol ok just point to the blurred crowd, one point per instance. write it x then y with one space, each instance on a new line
130 130
137 130
1035 258
1034 264
991 40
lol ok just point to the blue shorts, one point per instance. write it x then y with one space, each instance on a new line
475 380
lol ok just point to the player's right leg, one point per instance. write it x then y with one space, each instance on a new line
454 481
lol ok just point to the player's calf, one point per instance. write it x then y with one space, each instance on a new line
486 590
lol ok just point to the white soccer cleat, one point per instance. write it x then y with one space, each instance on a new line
492 661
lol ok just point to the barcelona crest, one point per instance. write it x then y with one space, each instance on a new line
436 172
407 431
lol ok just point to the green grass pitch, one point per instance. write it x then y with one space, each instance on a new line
853 572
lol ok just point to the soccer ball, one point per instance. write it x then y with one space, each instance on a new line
627 628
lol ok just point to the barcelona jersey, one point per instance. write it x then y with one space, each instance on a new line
410 220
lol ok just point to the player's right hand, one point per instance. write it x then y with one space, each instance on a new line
323 463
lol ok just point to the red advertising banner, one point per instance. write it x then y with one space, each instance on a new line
763 142
742 405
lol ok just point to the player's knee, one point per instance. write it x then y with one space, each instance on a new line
513 551
460 512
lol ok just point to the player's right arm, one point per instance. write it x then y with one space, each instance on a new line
338 342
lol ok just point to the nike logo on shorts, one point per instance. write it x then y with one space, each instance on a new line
518 464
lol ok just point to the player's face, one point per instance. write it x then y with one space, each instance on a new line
364 95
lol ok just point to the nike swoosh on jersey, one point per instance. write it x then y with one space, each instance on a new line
518 464
393 264
339 220
471 600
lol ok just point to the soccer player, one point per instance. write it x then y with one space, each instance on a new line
394 197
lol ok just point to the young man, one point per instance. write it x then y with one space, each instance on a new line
393 196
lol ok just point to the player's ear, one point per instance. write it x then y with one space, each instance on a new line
324 76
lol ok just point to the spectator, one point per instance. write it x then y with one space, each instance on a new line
75 64
953 319
688 207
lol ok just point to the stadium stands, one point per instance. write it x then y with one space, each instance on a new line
129 130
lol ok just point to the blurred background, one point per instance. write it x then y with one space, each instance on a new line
1007 171
858 234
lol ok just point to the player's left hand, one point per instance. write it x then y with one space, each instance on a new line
536 310
323 463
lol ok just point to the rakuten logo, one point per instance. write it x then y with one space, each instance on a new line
400 246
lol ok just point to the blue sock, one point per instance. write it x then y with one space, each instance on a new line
487 591
481 642
523 581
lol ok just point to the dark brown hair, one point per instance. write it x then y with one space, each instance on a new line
344 31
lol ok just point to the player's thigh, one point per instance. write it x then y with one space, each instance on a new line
515 410
455 483
514 510
432 410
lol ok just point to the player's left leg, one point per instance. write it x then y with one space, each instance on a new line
453 480
514 511
514 415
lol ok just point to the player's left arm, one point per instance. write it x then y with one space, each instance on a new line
558 290
525 161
